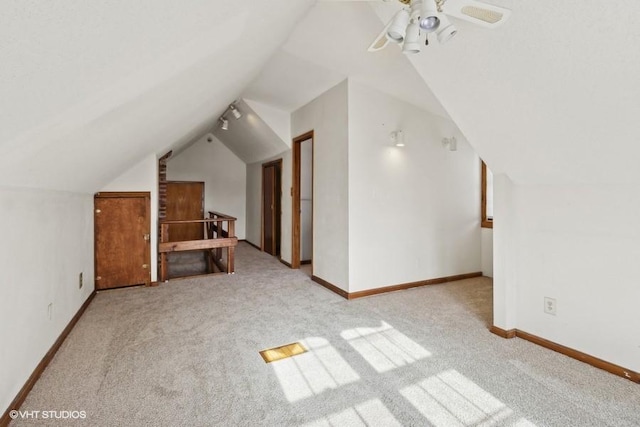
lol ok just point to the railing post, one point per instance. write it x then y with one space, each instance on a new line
231 225
230 263
164 237
218 236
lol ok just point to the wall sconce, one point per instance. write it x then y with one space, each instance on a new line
397 138
452 143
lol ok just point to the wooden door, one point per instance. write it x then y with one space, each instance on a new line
122 228
185 200
268 217
271 176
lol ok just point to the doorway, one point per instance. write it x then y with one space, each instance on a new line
302 203
122 225
271 207
185 201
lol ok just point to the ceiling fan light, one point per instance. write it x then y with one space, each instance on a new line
429 19
398 28
446 31
225 123
411 41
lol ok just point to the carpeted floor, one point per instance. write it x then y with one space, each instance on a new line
186 354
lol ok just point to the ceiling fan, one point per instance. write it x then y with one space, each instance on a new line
419 17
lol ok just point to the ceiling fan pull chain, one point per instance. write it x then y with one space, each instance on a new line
439 4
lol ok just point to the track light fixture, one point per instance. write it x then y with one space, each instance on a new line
234 110
224 123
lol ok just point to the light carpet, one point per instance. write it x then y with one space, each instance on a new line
186 354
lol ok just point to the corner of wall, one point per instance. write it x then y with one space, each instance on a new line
504 279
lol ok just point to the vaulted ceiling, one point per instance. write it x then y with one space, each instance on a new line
89 88
329 45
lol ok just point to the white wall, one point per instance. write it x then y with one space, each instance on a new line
579 245
486 236
306 200
224 176
143 176
47 242
413 211
254 204
327 115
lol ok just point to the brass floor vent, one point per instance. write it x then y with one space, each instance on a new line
282 352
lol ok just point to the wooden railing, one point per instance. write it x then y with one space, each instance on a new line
216 237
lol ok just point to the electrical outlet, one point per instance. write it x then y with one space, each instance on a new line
50 310
550 305
80 281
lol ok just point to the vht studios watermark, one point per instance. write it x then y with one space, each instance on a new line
48 415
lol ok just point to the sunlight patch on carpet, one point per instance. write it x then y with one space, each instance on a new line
283 352
370 413
320 369
384 347
449 399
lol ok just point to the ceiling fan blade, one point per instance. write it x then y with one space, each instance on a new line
483 14
362 0
380 42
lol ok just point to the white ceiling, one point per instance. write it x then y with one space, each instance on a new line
89 88
329 45
249 137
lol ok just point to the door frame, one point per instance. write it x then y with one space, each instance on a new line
278 196
119 195
295 195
